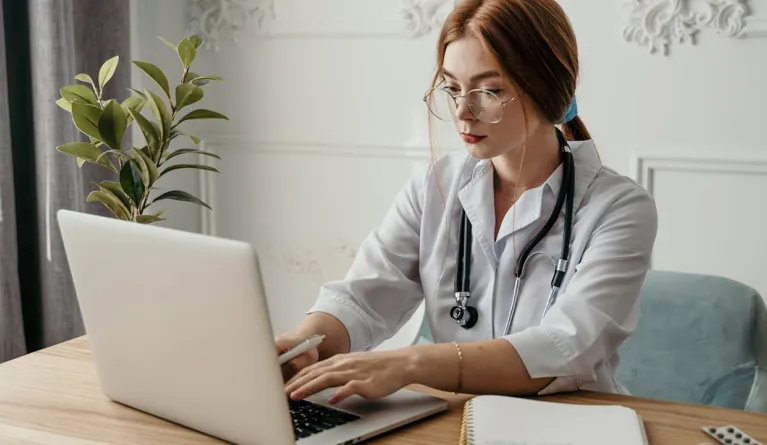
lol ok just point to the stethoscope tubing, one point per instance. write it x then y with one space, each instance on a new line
565 199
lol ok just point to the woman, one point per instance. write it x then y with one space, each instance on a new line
507 73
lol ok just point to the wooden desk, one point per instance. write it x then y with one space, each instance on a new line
52 397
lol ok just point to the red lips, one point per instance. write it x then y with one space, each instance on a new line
471 138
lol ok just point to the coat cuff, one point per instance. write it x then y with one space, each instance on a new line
543 354
353 318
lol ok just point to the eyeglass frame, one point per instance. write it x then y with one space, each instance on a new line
464 96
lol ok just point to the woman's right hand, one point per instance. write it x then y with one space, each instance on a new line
291 368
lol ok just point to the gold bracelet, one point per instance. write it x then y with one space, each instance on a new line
460 368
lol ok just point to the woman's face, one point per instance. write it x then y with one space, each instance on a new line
467 66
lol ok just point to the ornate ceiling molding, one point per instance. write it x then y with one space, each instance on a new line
423 16
657 24
216 20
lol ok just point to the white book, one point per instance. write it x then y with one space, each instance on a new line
499 420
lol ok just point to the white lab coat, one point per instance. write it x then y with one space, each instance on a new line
411 256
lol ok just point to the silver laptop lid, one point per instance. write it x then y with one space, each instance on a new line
179 326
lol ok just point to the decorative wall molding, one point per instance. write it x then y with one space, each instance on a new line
646 166
222 21
216 20
657 24
222 144
424 16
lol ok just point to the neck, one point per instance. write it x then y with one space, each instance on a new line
538 161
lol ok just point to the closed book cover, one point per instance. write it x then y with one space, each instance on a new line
499 420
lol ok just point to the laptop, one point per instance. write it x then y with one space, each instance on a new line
179 328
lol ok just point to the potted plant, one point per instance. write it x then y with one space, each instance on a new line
105 121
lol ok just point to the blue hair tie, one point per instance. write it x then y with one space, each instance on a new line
571 112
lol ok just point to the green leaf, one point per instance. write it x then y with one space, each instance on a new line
111 202
79 93
195 140
65 104
187 94
196 40
202 114
148 219
138 93
149 131
130 180
88 152
153 173
179 195
82 77
141 164
190 75
183 151
151 218
80 162
181 166
115 188
112 124
168 43
186 52
156 74
117 153
86 118
107 71
161 113
135 103
202 80
149 172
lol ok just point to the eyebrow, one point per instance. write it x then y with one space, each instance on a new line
483 75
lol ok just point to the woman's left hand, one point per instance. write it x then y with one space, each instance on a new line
370 375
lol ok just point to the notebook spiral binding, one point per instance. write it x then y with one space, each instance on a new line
467 431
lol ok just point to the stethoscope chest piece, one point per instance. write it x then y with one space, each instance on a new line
465 315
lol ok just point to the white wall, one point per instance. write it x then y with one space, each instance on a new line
328 122
690 126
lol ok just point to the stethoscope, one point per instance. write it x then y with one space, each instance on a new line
467 315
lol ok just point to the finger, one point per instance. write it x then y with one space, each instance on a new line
327 380
302 378
312 367
349 389
302 361
315 371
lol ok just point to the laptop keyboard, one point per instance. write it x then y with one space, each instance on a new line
311 418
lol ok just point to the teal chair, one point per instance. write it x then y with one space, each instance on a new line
701 339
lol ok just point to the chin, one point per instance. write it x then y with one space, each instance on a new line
481 151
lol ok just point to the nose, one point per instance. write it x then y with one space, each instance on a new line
462 111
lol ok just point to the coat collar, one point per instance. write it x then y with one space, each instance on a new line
476 196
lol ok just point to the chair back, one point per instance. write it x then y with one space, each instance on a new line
701 339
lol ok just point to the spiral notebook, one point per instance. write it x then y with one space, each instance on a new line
499 420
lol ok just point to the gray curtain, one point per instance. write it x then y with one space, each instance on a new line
47 43
11 326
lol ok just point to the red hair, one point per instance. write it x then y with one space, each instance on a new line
532 42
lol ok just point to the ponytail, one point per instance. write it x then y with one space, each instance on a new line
575 130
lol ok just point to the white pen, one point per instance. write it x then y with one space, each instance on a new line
300 348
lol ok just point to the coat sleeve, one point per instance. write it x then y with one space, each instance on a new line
599 307
382 288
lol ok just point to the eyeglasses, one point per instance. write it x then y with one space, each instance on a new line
484 105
